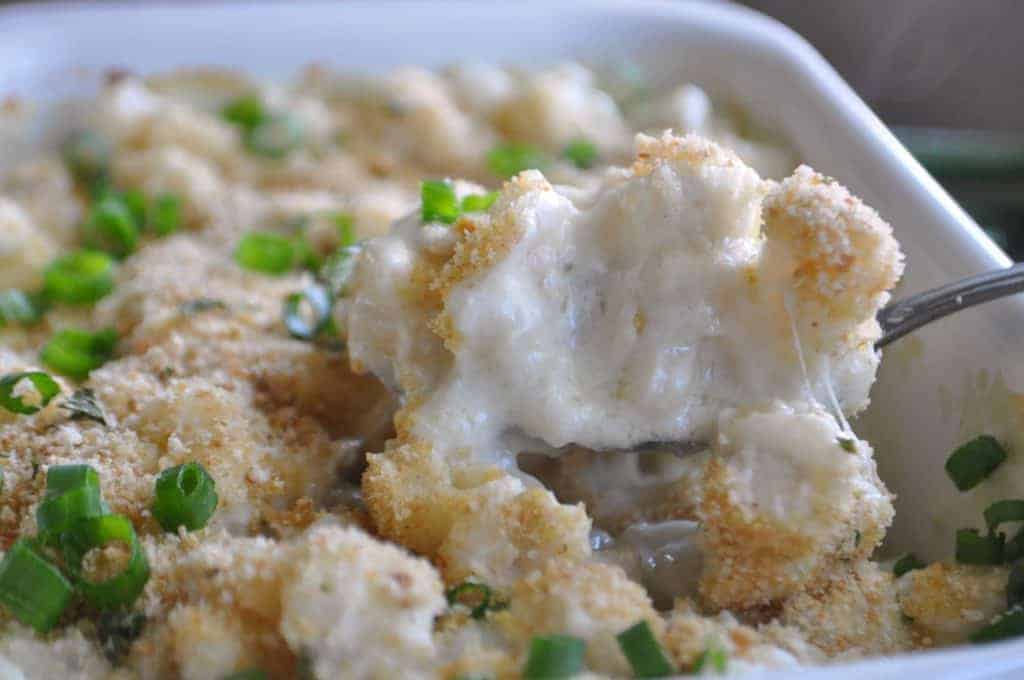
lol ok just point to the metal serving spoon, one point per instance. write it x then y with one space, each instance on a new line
906 315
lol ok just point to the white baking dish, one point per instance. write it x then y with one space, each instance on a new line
48 52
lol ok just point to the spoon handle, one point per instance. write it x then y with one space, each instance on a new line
903 316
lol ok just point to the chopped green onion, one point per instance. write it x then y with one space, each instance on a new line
87 155
1009 625
136 203
439 202
338 270
1015 586
305 256
908 562
974 461
847 444
554 656
247 674
265 252
88 534
82 405
74 352
18 307
72 493
186 495
477 597
33 590
246 111
713 657
79 278
44 385
200 305
346 226
117 631
582 152
479 202
164 215
645 655
275 137
1003 511
307 326
508 160
111 226
974 548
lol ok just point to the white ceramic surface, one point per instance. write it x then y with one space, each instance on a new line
48 52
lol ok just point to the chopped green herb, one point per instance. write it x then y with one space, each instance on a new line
479 202
477 597
974 548
276 136
643 652
45 387
346 226
246 111
79 278
111 226
265 252
307 314
582 152
1015 586
164 215
31 589
974 461
1009 625
714 658
117 591
200 305
117 631
439 202
337 271
847 444
87 156
74 352
908 562
1003 511
18 307
509 160
186 495
136 203
82 405
554 656
72 494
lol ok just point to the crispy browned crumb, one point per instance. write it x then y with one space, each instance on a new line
948 602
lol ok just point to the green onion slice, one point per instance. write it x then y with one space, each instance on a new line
186 495
45 386
87 155
645 655
72 494
307 325
265 252
472 595
582 153
164 215
479 202
974 461
82 405
1003 511
246 111
974 548
508 160
79 278
338 270
1009 625
136 203
121 589
439 202
276 136
908 562
346 226
714 658
847 444
74 352
554 656
111 226
18 307
33 590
